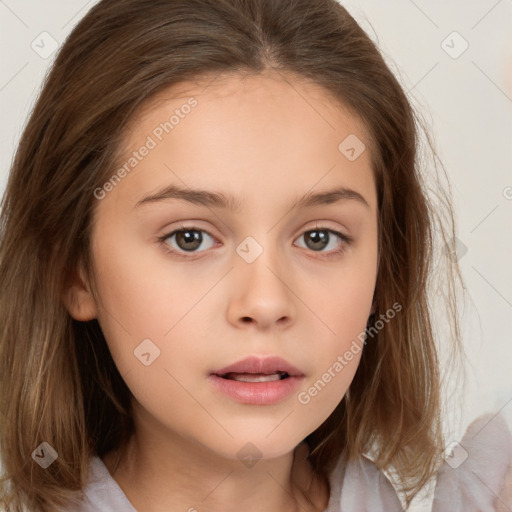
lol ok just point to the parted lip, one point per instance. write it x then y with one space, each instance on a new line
254 364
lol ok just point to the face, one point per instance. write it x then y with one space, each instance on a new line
189 284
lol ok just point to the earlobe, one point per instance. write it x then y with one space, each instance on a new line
78 299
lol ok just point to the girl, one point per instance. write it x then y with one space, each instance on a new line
215 259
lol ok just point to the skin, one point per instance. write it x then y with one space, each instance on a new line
267 140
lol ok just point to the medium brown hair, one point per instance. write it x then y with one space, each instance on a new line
58 382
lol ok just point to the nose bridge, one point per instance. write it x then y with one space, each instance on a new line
259 257
262 290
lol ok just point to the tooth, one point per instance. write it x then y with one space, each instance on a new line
250 377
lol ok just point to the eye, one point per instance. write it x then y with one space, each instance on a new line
187 239
321 237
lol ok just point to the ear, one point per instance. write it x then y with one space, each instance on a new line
77 297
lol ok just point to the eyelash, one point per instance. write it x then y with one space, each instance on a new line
346 240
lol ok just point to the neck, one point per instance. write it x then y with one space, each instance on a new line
170 473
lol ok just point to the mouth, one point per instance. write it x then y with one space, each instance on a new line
255 377
257 369
257 381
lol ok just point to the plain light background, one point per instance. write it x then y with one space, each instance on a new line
465 94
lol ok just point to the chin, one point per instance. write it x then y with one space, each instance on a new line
248 450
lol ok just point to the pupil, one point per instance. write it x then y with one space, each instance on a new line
186 241
320 239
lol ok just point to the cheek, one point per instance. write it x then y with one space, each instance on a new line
145 315
144 296
337 353
342 303
131 284
343 298
135 303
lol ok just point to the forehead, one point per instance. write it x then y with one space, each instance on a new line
250 132
249 90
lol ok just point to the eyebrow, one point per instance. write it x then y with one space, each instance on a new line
229 202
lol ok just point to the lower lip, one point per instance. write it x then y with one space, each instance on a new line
256 393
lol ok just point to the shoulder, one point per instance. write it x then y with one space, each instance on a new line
102 493
476 473
359 486
366 486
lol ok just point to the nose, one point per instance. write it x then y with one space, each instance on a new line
262 294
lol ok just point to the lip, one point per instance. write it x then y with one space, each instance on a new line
257 393
260 365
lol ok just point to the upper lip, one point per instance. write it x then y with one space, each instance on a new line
260 365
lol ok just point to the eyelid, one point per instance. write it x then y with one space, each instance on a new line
325 227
